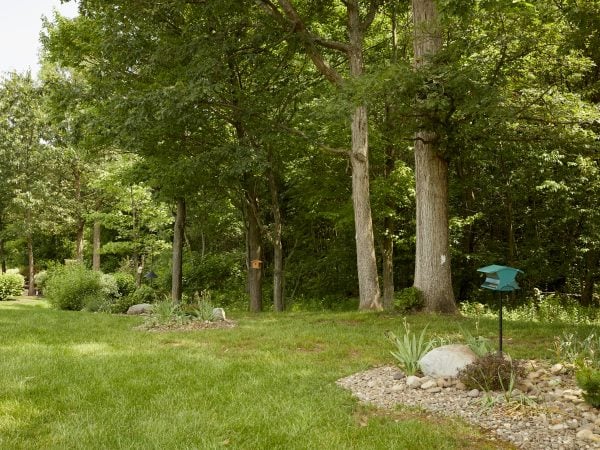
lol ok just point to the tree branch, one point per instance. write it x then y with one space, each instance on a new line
290 18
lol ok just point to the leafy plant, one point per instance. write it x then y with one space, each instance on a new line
409 348
409 299
72 287
491 372
125 282
588 379
11 285
201 308
480 345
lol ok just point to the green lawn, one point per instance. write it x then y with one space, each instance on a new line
74 380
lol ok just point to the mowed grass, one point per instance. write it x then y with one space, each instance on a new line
76 380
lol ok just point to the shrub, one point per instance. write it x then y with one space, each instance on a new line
11 285
409 349
125 282
40 279
491 372
72 287
122 304
109 285
144 294
409 299
588 379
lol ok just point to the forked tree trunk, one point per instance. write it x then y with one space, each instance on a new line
432 265
366 261
96 243
31 268
254 249
278 274
178 239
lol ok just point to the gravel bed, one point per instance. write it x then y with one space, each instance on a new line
546 411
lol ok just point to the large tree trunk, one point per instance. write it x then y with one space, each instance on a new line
178 239
79 240
278 274
31 268
254 249
96 243
366 261
432 265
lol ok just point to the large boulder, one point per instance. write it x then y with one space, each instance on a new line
142 308
446 361
218 314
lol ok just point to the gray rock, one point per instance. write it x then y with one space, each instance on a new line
141 308
473 393
587 435
219 314
413 382
446 361
429 384
399 376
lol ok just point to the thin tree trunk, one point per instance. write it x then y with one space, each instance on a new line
31 267
587 293
79 240
254 248
278 274
432 264
366 261
388 266
178 238
97 242
2 257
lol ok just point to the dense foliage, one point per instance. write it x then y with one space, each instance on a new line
224 108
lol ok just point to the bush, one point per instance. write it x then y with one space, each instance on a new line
491 372
409 299
125 283
73 287
143 294
11 285
588 379
109 285
40 279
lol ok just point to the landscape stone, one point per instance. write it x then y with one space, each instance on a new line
446 361
141 308
413 381
218 314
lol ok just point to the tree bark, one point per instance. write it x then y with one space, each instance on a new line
278 273
589 280
432 264
368 283
388 266
254 249
366 261
79 240
178 239
2 257
97 242
31 267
